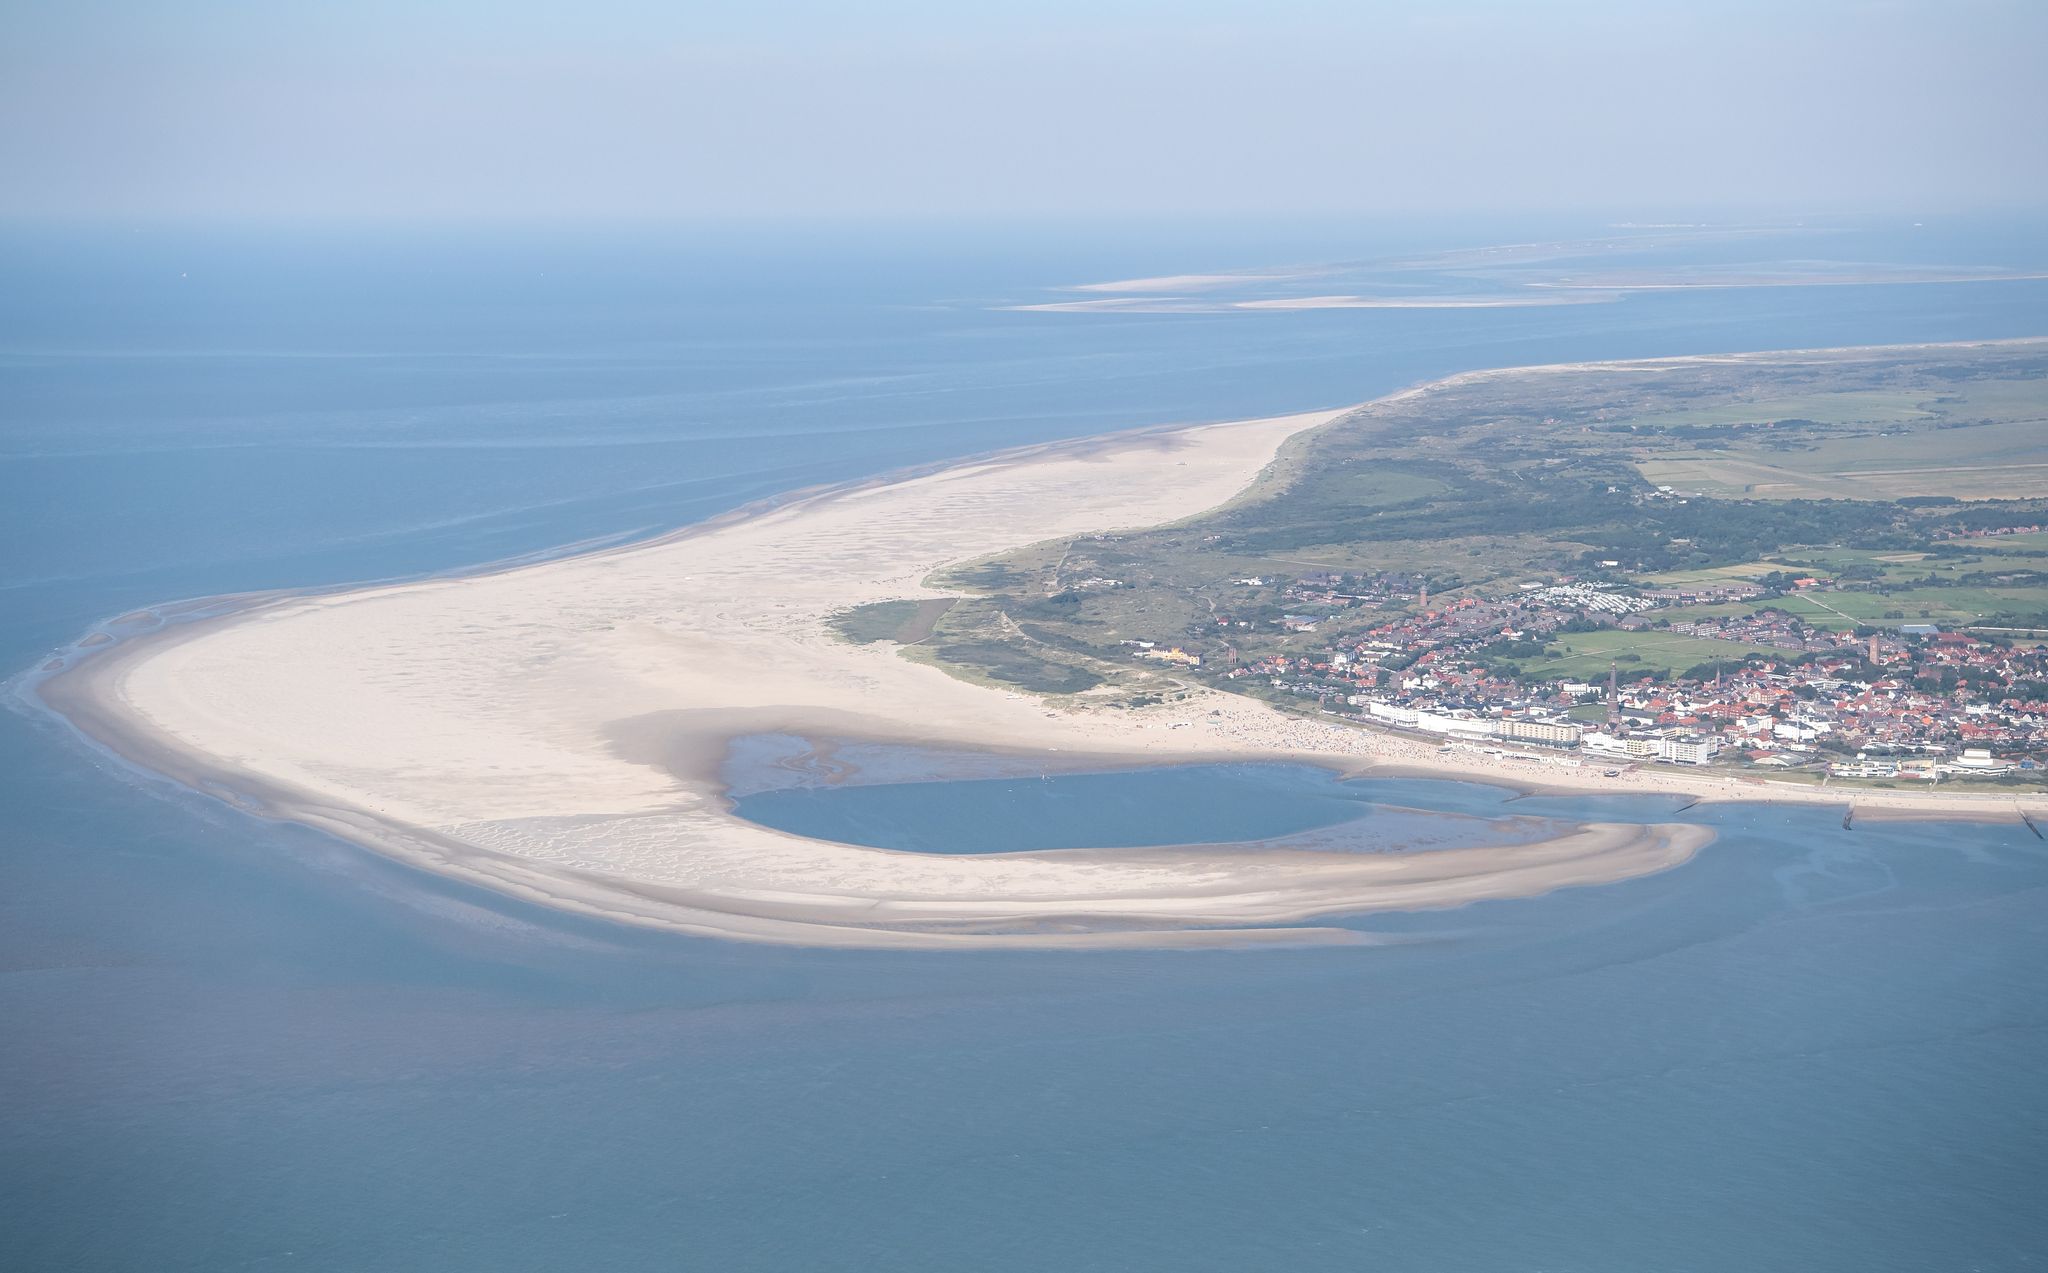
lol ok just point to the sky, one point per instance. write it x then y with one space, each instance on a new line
468 110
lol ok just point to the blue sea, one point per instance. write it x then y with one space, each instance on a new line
236 1046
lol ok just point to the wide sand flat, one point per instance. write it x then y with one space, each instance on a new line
553 730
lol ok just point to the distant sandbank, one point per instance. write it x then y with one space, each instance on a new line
1206 305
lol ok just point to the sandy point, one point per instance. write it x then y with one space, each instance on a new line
494 727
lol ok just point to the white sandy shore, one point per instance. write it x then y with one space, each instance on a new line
1418 302
1203 305
1866 278
1193 282
553 730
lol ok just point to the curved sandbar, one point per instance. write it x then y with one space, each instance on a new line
552 730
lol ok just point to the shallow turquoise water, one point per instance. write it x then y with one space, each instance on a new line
234 1046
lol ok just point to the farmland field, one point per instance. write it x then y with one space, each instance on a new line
1711 576
1586 655
1986 442
1842 407
1841 610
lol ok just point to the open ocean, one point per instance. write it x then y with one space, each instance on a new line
236 1046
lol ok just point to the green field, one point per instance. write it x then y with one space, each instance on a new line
1586 655
1966 463
2035 542
1848 406
1986 440
1945 606
1710 576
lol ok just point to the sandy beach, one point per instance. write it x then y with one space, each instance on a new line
554 730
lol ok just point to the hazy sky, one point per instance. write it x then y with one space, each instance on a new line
516 109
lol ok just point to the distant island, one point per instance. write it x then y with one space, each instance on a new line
1648 576
1603 270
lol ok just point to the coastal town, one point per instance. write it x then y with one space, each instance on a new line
1552 667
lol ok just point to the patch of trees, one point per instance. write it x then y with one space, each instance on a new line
1724 532
2002 579
1713 436
1513 649
1994 514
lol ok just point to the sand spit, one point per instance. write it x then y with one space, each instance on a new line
552 730
1418 302
1865 278
1194 305
1197 282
